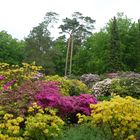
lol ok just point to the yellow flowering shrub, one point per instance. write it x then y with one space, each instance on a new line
10 127
32 110
18 73
68 86
38 123
6 137
121 115
43 123
63 83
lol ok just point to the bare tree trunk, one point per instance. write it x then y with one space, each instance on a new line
71 55
67 56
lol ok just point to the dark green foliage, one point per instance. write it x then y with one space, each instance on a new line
138 134
126 87
59 47
36 134
104 98
80 26
114 48
39 44
11 50
92 56
114 57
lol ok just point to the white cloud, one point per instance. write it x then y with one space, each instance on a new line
18 17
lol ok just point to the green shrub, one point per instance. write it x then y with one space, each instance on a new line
69 86
104 98
77 87
126 87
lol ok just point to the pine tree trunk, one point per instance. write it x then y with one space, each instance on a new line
67 56
71 55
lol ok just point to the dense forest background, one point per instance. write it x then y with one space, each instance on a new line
78 49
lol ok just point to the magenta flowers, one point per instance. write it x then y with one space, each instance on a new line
8 84
49 95
68 106
2 77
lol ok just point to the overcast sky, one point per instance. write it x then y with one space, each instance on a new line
18 17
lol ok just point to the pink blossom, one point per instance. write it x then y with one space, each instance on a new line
2 77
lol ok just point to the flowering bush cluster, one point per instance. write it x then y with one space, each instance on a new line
101 88
68 106
64 83
125 84
77 87
126 87
10 127
78 103
49 95
72 105
32 108
46 94
17 101
120 115
43 122
39 123
9 74
69 87
6 86
90 79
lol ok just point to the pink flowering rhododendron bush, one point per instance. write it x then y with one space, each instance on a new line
46 94
17 100
22 85
68 106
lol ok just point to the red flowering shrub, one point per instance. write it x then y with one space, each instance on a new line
46 94
16 101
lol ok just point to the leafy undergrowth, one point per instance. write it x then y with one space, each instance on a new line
84 132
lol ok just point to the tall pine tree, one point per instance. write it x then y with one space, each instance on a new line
114 58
